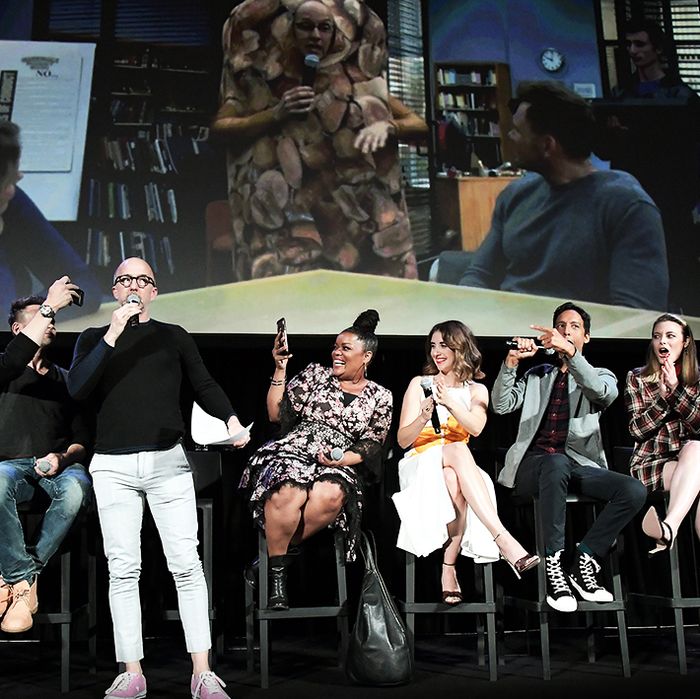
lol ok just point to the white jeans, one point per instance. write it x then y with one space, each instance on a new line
122 482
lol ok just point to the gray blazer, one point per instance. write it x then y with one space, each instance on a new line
591 390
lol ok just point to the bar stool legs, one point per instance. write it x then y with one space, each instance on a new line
542 609
484 587
260 613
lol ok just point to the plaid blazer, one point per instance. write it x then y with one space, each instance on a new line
659 425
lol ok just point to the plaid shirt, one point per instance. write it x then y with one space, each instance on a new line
554 428
659 425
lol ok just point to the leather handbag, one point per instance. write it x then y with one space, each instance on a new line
379 653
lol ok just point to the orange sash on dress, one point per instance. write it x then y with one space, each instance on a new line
452 431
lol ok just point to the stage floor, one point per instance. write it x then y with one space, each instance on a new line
303 665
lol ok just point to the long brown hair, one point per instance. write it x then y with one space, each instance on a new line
689 355
460 339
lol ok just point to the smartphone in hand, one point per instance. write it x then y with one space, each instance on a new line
282 332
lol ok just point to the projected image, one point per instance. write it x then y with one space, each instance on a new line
311 130
32 252
287 182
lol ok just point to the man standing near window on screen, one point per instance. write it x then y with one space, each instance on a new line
654 135
132 373
567 229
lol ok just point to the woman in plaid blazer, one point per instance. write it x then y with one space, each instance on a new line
663 404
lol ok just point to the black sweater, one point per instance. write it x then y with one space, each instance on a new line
135 386
37 416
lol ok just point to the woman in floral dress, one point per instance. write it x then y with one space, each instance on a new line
296 487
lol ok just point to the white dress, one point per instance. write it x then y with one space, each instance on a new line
424 504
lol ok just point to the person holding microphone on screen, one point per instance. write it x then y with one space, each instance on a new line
132 377
312 138
559 449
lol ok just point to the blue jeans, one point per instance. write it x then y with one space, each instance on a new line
68 491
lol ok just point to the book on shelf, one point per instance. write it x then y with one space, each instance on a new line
123 201
94 204
172 204
167 252
97 248
111 200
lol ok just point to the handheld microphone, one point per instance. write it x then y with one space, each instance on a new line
44 466
336 454
512 344
134 320
426 385
308 72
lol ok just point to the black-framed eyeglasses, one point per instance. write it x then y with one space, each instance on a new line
142 281
307 26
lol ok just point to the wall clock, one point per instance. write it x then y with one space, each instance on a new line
552 60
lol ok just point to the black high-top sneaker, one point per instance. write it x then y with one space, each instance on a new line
585 576
559 595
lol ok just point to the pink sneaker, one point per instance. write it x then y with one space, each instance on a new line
206 685
129 685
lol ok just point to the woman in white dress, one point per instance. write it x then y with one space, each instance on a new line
446 500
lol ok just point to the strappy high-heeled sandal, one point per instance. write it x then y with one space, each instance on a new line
523 564
452 597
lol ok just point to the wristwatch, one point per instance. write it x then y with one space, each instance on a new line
47 311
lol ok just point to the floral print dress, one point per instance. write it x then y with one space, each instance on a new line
316 417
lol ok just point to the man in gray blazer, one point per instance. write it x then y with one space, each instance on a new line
559 450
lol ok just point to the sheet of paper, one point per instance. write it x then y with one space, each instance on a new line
45 104
45 89
210 431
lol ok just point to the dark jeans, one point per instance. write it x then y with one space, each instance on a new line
551 476
68 491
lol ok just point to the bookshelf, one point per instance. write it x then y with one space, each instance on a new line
475 97
148 169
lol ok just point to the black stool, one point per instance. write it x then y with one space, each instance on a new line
675 601
486 606
542 609
80 538
206 471
264 616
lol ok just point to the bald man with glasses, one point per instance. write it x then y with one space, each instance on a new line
131 373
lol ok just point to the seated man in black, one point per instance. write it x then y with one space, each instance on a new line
42 439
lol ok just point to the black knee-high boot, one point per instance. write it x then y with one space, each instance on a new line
278 583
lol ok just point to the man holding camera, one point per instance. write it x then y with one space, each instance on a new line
42 438
559 449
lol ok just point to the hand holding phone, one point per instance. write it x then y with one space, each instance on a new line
282 347
78 296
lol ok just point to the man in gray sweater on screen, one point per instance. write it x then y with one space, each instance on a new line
567 229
